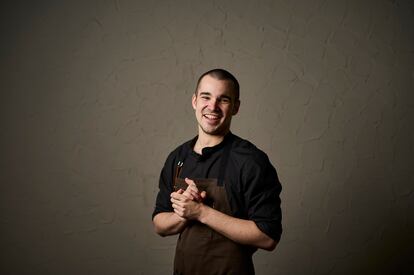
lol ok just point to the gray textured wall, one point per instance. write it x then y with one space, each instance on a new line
95 94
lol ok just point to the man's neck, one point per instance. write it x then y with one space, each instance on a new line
206 140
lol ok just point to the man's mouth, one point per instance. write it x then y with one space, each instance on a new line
212 116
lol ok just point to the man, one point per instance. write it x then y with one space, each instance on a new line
218 191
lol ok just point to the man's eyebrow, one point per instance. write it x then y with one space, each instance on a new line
226 96
205 93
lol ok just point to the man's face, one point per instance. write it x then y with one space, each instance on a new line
214 105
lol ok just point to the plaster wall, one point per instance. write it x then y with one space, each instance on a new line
95 94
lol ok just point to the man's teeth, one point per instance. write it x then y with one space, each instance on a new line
212 116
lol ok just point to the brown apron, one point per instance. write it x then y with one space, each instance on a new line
201 250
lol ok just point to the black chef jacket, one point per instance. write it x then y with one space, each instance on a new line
251 182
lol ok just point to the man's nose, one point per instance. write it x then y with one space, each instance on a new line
213 104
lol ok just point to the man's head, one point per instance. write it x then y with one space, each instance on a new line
221 74
215 101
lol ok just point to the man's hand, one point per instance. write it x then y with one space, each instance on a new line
193 192
177 193
187 204
170 223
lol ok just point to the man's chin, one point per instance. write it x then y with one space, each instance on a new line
214 131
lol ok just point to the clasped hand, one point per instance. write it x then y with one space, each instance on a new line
187 203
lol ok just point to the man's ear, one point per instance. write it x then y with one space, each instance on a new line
194 101
236 107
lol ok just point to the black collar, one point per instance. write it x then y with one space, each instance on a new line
208 151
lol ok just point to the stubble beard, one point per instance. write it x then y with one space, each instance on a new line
219 130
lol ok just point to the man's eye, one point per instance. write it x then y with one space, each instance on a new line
225 100
205 97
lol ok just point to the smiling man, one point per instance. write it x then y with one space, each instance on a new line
217 190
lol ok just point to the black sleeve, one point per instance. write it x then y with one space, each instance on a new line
163 203
261 193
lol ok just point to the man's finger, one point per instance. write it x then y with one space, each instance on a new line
188 194
177 207
193 195
176 195
174 200
189 181
191 185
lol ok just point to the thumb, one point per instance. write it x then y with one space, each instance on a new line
189 181
203 194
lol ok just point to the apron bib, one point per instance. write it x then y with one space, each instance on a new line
201 250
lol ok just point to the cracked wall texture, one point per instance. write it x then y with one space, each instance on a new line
95 94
